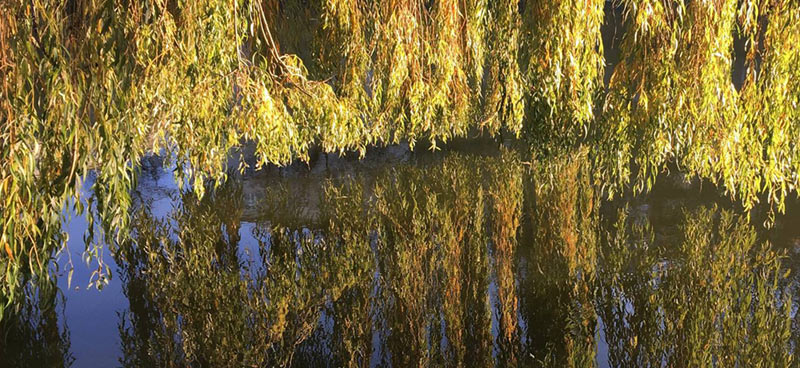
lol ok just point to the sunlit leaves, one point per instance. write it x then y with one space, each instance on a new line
96 85
563 55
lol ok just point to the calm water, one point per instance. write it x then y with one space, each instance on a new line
466 257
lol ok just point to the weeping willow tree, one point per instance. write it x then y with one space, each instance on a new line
562 57
672 98
769 104
96 85
92 86
673 88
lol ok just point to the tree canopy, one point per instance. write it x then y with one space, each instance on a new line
94 85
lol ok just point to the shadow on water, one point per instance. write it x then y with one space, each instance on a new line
471 257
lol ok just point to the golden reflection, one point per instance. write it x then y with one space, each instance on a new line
463 261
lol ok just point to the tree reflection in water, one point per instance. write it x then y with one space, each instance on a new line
32 336
467 261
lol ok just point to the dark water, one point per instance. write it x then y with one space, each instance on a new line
467 257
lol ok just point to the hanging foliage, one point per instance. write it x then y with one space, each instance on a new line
92 86
562 55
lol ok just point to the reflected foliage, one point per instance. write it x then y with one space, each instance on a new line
35 334
714 295
89 88
463 261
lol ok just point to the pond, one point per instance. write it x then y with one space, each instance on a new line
469 256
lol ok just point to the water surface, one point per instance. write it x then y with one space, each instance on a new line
468 257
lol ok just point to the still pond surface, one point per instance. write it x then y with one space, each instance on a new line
466 257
